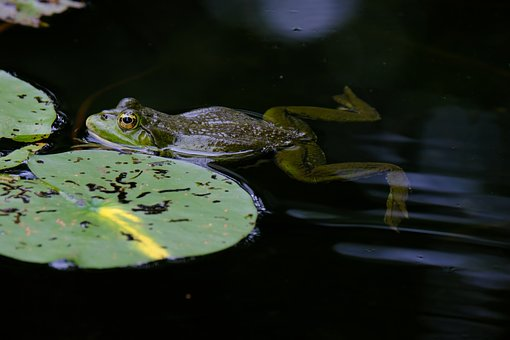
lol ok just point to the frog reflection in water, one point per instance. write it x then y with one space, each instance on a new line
222 134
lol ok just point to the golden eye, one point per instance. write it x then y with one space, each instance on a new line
128 120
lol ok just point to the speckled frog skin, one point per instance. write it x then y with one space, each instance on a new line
224 134
214 132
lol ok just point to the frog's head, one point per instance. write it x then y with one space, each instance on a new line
123 125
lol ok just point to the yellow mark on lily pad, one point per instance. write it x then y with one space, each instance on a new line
131 224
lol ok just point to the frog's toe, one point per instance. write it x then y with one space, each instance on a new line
351 103
396 209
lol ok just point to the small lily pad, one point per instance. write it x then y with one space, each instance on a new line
18 156
102 209
27 112
29 12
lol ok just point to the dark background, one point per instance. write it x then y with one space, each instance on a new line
321 264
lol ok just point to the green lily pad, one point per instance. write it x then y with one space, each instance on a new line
27 113
102 209
29 12
18 156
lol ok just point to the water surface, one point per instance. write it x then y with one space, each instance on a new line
323 265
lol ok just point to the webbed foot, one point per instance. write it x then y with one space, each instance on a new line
350 102
351 109
396 209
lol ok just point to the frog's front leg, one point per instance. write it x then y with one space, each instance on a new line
306 162
351 109
165 152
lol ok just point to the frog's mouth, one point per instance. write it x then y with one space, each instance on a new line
93 138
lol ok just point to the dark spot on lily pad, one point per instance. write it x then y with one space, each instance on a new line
173 190
139 172
22 194
157 208
85 224
179 220
17 217
40 100
160 173
46 194
201 195
45 210
129 236
143 194
7 211
123 175
121 191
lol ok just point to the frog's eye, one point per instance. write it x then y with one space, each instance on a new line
128 120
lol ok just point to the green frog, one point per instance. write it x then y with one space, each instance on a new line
222 134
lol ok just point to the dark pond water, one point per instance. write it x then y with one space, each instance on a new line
323 265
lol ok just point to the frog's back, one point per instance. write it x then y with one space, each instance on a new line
223 131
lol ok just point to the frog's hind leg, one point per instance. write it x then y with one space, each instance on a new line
351 109
306 162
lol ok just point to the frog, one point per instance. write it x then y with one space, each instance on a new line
224 135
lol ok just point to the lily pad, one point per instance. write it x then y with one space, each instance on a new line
102 209
27 112
29 12
18 156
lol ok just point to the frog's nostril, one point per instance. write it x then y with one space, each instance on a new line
104 117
